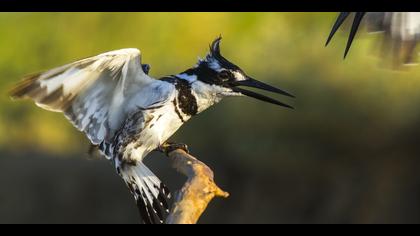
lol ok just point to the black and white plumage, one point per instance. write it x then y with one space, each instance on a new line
401 32
128 114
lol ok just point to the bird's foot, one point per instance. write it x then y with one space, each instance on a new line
169 147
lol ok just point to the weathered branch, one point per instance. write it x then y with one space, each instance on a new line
197 192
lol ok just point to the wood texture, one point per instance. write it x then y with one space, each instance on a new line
199 189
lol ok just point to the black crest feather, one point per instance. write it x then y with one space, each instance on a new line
215 54
215 48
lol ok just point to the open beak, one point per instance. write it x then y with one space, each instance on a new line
250 82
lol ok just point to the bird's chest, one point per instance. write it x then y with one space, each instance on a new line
144 132
163 123
151 126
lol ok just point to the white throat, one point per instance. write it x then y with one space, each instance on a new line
206 94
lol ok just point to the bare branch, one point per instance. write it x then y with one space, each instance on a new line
197 192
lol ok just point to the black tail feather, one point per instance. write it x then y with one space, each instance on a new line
151 195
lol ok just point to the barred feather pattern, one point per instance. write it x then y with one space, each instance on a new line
110 97
89 92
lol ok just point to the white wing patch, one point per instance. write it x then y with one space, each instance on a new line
90 92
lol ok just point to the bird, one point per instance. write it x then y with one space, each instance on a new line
401 32
127 114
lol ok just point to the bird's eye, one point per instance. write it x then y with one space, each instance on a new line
224 75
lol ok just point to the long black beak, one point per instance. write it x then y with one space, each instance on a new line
250 82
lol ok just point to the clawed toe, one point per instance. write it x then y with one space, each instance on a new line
169 147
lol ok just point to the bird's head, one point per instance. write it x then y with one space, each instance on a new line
220 76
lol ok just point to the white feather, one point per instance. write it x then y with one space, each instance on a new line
91 92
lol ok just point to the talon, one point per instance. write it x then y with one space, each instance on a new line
168 147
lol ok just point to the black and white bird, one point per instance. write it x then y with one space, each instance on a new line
127 114
401 32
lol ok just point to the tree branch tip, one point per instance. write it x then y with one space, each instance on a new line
197 192
221 193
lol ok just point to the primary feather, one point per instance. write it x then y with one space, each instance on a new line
106 97
89 92
401 32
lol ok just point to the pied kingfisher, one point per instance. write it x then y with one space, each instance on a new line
401 32
128 114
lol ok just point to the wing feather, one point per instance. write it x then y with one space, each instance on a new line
401 32
89 92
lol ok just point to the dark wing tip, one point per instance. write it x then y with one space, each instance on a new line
340 19
355 26
24 87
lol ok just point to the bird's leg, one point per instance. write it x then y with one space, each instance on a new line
168 147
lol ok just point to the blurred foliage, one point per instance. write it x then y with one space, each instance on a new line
355 126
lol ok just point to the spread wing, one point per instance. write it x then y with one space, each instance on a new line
401 32
90 92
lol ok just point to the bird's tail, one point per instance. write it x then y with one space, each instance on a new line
151 195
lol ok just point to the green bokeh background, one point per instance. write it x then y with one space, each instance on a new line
348 153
